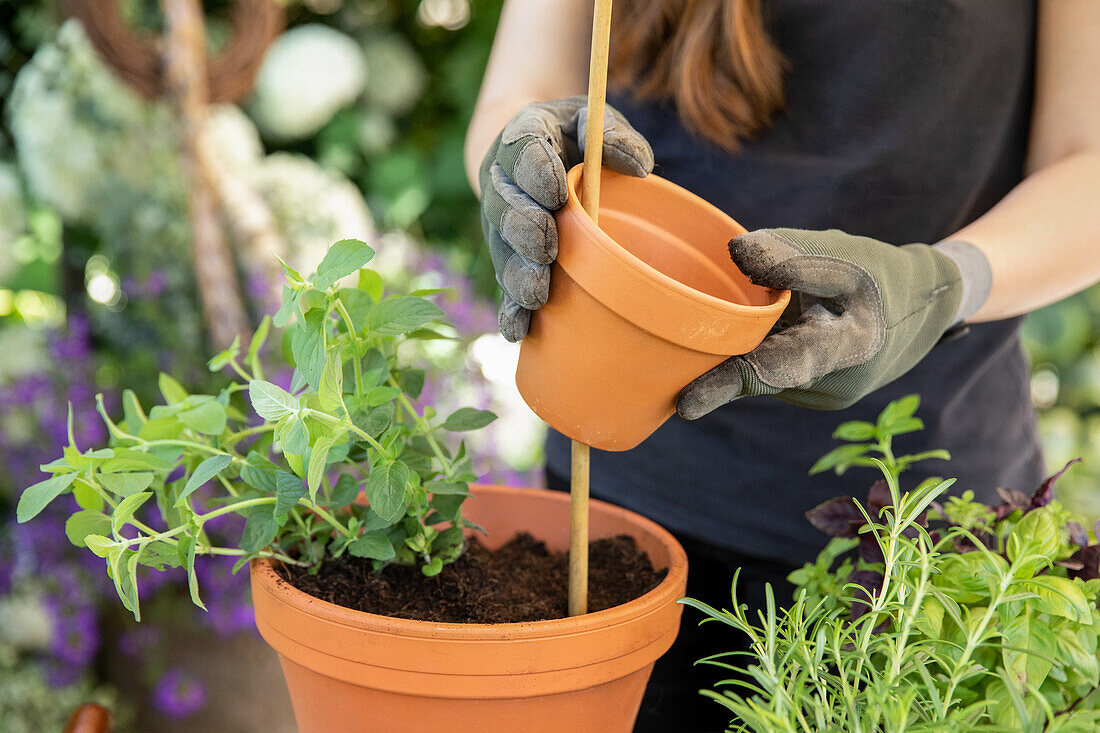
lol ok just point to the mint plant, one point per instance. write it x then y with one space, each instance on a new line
924 616
291 462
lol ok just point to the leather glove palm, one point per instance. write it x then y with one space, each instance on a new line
522 181
866 313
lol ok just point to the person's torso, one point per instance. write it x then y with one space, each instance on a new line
905 120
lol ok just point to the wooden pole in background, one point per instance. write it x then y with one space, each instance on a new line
590 199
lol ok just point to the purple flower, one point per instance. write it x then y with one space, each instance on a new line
178 694
75 635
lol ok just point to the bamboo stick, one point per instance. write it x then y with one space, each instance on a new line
590 199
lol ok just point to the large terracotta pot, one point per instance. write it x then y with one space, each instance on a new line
354 672
638 307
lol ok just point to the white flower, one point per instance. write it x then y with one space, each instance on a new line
309 74
313 207
397 77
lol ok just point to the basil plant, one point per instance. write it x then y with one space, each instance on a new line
292 462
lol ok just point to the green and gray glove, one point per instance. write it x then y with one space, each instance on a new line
523 180
864 313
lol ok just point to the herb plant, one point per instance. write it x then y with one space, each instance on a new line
292 466
922 616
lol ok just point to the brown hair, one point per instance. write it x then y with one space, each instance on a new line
713 58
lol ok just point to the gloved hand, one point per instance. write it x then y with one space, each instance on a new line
523 180
866 313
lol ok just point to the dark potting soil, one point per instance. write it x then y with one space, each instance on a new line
521 581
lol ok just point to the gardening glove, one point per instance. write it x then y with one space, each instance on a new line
523 181
864 313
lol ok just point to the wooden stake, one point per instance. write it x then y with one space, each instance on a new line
590 199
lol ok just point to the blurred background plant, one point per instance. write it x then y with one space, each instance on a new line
354 129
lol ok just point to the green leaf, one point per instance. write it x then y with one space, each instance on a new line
318 459
386 490
345 491
401 314
468 418
292 275
260 529
207 419
134 416
448 505
225 358
1029 646
330 392
839 458
35 498
126 459
896 412
84 523
160 555
447 487
258 340
286 310
379 395
411 381
1036 534
288 490
259 473
373 545
271 402
296 438
435 567
1058 597
205 471
370 282
126 508
307 344
341 260
99 544
192 579
126 484
172 390
855 430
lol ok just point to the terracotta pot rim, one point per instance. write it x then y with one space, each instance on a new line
659 279
651 602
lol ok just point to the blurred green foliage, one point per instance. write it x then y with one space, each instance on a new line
1063 341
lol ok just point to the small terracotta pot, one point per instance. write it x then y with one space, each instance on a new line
357 672
638 307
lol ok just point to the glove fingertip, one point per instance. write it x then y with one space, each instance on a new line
718 387
540 173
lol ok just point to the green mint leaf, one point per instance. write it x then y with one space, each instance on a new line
126 508
259 473
341 260
205 471
402 314
259 338
208 418
439 488
192 579
260 529
160 555
292 275
35 498
370 282
330 392
386 490
379 395
855 431
270 401
374 546
318 459
435 567
344 492
99 544
840 458
225 358
126 484
172 390
411 381
288 490
286 310
468 418
84 523
307 344
896 412
296 437
134 416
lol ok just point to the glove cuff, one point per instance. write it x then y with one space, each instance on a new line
975 274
